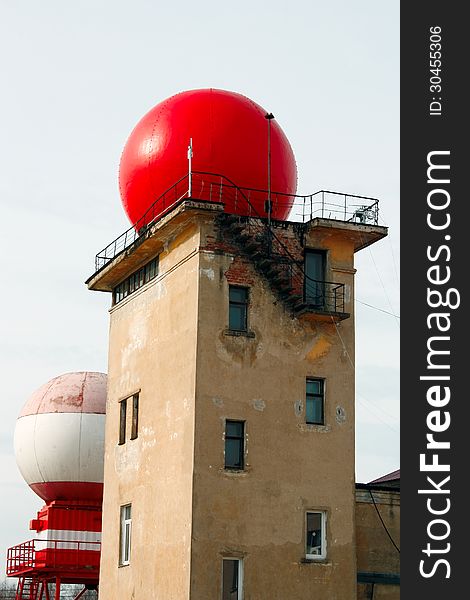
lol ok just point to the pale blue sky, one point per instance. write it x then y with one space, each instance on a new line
76 78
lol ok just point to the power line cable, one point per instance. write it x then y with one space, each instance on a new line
372 408
382 284
395 268
379 309
345 350
382 521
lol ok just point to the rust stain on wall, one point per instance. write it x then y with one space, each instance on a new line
319 348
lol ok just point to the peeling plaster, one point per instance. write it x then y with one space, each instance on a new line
160 290
137 339
236 350
340 415
148 437
259 405
209 273
126 458
298 407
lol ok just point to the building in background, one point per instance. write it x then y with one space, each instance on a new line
378 538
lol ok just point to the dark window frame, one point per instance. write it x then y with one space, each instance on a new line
314 293
236 304
135 416
240 464
122 421
136 280
312 396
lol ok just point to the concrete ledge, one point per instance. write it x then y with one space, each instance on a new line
233 332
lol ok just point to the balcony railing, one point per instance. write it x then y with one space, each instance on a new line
324 296
311 294
37 554
210 187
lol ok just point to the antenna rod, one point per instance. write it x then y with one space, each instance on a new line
190 155
269 117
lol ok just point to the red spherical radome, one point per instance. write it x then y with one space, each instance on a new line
229 135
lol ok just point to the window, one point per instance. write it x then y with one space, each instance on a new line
232 579
135 416
314 286
234 444
136 281
238 308
316 535
123 418
314 402
125 536
122 421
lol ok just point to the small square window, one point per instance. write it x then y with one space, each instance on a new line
238 308
234 444
315 535
232 579
125 535
315 402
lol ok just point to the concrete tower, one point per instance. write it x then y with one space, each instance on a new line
229 445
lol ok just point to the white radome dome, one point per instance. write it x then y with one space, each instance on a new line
59 437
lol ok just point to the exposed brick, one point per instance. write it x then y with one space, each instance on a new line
240 272
287 242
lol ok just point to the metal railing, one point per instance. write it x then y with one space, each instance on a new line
287 274
211 187
325 296
55 554
165 202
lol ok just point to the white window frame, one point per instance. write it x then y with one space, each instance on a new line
240 575
126 528
321 556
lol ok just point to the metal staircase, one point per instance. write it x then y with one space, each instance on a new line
29 588
258 242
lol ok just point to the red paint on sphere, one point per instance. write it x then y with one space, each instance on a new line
78 392
68 490
229 133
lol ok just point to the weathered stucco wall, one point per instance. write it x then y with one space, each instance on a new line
152 348
375 551
259 514
377 591
169 341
